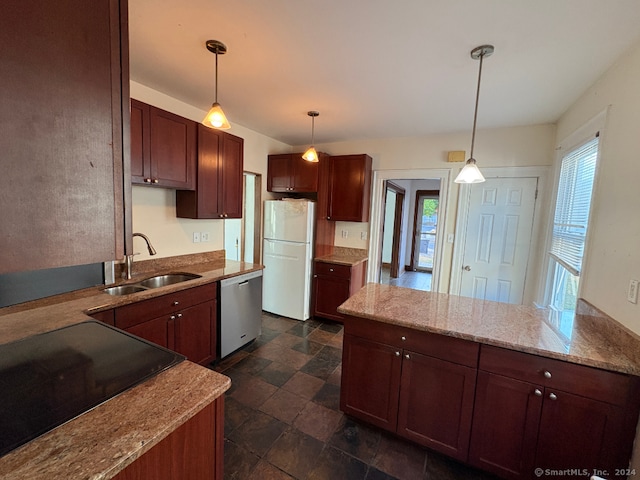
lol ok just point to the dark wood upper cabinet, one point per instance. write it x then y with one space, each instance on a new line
349 188
64 118
290 173
219 178
163 148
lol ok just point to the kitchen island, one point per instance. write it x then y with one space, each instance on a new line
506 388
180 410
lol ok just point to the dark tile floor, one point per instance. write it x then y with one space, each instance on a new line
283 420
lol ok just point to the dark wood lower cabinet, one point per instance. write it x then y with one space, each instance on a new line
420 397
184 321
505 426
436 403
503 411
333 284
192 451
370 380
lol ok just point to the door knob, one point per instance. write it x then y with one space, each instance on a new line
466 268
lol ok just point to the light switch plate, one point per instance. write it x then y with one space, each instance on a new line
632 293
196 237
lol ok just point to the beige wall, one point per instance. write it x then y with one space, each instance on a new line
613 245
154 208
525 146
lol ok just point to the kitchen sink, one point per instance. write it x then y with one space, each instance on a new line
151 282
169 279
123 289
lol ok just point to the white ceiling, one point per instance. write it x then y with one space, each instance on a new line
378 68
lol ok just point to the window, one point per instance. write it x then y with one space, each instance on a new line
570 222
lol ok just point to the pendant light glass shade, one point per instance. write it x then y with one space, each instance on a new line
471 173
311 155
216 118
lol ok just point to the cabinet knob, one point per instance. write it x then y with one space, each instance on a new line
537 392
404 339
407 357
155 180
328 218
179 315
172 317
331 269
553 396
397 354
315 276
147 180
547 374
176 302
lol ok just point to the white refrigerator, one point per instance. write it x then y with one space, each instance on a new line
287 257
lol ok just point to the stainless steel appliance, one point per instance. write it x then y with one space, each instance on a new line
240 311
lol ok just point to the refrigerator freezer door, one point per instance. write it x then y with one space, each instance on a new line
286 287
291 221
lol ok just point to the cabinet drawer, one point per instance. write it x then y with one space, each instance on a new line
139 312
586 381
333 269
452 349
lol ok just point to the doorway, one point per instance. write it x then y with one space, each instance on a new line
379 270
425 230
242 235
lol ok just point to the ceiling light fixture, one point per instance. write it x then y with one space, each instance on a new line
311 155
470 173
216 117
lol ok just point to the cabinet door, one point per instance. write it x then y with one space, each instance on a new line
328 294
279 173
505 426
140 159
195 332
153 330
370 381
172 149
578 432
231 176
64 89
304 174
436 403
349 188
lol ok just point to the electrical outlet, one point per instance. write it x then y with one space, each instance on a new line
204 236
632 293
196 237
345 233
363 235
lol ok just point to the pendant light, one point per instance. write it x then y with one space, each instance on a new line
216 117
311 155
470 173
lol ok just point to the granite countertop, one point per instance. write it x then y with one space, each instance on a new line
103 441
344 256
591 338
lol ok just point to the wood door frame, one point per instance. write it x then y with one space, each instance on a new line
397 226
531 289
420 193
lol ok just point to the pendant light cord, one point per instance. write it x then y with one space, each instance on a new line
475 114
313 124
216 90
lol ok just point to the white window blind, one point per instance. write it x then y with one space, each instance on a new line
572 206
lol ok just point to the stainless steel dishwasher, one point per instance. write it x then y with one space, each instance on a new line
240 311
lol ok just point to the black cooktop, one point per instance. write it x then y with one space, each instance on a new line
48 379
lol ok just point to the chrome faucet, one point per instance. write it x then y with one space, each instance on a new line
128 264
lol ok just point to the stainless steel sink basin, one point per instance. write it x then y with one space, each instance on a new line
123 289
151 282
168 279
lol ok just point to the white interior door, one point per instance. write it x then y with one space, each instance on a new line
498 239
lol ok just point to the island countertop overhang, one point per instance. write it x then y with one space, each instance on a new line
600 343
